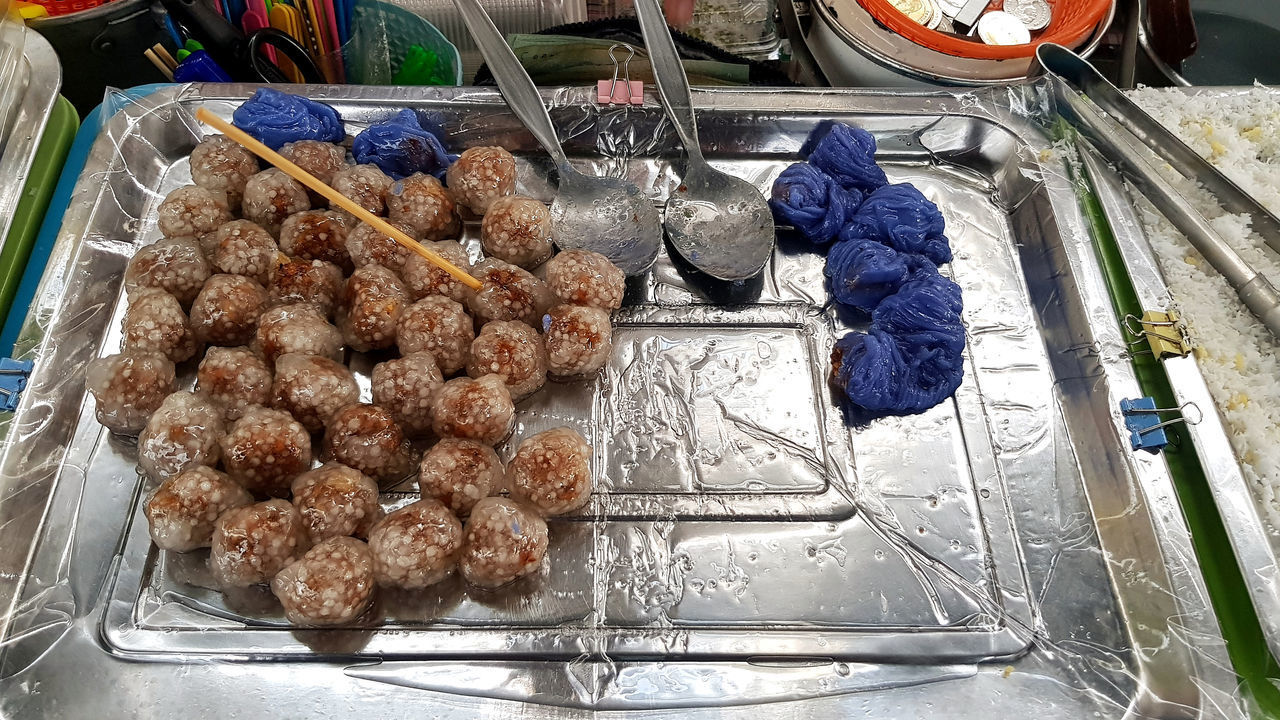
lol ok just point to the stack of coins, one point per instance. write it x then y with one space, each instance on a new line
923 12
1011 26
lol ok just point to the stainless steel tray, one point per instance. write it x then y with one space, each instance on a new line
741 534
41 76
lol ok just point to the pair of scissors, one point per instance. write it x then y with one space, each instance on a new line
239 54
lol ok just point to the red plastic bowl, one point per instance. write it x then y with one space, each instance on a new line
1073 22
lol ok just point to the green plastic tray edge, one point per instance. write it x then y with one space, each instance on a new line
45 169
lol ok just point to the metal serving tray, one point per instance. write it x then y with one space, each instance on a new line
740 535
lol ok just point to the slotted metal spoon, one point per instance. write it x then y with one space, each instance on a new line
719 223
608 215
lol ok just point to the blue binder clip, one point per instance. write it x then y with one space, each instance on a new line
1146 429
13 380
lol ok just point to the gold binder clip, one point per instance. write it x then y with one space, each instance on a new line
1164 333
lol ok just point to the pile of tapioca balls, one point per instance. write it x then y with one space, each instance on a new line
272 460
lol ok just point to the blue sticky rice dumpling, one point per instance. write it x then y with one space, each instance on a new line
847 154
860 272
870 369
275 118
809 200
912 357
924 313
900 217
400 147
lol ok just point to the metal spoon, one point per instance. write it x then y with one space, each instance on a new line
607 215
719 223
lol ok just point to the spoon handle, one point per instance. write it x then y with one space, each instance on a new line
516 86
673 84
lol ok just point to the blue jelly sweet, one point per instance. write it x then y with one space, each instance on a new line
860 273
276 118
912 357
812 202
923 314
401 147
870 369
902 218
847 154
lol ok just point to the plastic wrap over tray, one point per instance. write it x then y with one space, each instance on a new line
1002 551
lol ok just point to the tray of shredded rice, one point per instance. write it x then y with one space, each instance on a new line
647 496
1232 373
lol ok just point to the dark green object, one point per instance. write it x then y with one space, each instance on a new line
45 167
1246 644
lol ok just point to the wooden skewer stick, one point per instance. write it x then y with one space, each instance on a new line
155 60
334 196
165 56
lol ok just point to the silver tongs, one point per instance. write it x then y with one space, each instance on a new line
1114 125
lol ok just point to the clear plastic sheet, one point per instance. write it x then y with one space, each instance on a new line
1002 552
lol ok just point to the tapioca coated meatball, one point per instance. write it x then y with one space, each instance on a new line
235 378
265 450
335 500
298 328
479 410
181 512
440 326
579 339
222 165
271 196
319 158
192 211
129 387
480 176
585 277
331 584
244 248
182 433
177 266
154 322
551 471
405 387
415 546
421 202
306 281
369 246
514 352
460 473
372 303
509 293
312 388
517 230
227 309
317 235
423 277
251 544
367 438
364 184
503 541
